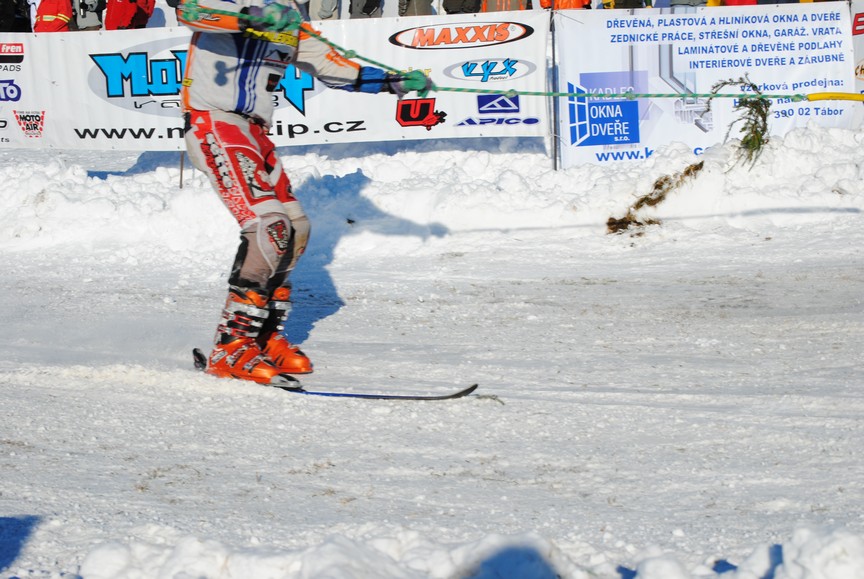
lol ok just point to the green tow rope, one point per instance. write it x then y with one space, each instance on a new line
192 11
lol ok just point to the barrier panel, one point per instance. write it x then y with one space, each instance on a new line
633 80
120 89
785 50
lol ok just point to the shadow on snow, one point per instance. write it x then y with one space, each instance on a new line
337 209
14 532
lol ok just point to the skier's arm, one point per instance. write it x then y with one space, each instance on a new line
317 58
273 17
207 21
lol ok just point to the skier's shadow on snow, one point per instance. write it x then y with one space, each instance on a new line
14 533
337 210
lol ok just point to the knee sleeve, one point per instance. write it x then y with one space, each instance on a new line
270 248
302 230
265 244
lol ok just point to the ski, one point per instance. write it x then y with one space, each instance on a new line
294 385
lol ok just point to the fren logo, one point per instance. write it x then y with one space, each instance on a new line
11 52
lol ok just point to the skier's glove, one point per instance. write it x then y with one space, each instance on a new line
273 17
402 84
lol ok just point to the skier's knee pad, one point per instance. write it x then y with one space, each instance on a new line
266 245
301 225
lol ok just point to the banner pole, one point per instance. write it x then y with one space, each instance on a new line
555 113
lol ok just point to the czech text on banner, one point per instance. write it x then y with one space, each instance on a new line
681 53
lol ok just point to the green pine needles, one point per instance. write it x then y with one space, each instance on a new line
754 119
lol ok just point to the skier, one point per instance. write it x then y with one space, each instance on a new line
235 59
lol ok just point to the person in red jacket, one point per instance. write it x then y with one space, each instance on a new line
126 14
51 15
566 4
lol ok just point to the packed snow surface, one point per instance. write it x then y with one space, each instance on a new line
679 400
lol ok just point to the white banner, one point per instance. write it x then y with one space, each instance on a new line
789 49
119 89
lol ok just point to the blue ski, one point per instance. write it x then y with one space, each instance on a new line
293 385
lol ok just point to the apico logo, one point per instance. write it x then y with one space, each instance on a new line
138 81
490 70
11 52
601 122
461 35
494 107
9 91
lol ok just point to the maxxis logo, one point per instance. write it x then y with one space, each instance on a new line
460 35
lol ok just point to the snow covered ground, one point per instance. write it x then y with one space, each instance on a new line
683 401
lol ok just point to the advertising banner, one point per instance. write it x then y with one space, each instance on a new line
857 7
787 50
120 89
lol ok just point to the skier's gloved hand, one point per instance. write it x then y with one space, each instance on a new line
273 17
374 80
402 84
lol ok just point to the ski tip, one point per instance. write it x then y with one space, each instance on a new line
199 359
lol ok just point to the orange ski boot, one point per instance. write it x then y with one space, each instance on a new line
282 353
236 353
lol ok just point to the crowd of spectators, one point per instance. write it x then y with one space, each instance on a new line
66 15
63 15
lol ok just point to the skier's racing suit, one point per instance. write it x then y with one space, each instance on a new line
236 59
231 72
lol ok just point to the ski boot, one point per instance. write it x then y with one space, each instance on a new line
282 353
236 353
